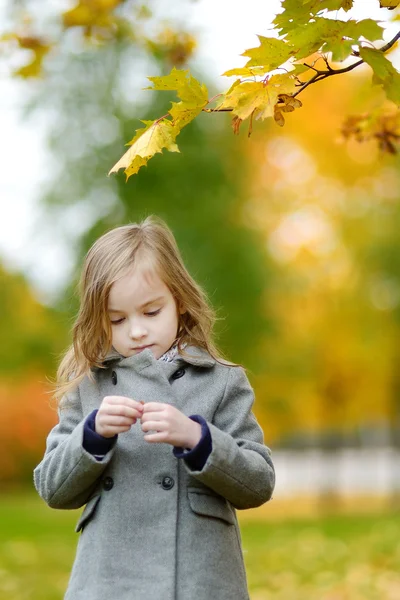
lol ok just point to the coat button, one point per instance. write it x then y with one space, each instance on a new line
178 374
108 483
167 483
114 378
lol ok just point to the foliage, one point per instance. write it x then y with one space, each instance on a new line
304 29
303 33
341 557
26 420
33 335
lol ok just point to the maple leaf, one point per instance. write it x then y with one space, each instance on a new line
188 88
193 95
384 72
332 35
257 97
246 71
270 54
296 14
153 138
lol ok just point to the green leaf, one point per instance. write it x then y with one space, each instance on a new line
384 72
311 37
271 53
367 28
153 138
295 14
330 5
332 35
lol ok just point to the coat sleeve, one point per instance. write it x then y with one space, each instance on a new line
239 466
68 474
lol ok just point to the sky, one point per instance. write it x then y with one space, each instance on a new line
223 34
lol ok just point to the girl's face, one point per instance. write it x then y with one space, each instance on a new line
143 313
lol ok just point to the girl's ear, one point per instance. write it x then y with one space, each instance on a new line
181 309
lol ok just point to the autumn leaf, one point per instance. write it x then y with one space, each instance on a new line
192 93
270 54
257 97
390 4
245 71
90 13
188 88
148 141
39 48
384 73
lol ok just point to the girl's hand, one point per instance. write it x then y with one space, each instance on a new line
116 415
172 426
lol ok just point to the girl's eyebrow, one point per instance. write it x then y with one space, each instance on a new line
116 310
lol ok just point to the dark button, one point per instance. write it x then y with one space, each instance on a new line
108 483
114 378
167 483
178 374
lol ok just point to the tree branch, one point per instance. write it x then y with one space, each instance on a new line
319 75
324 74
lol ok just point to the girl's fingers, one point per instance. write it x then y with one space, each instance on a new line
160 436
116 421
153 407
154 416
154 426
121 410
123 401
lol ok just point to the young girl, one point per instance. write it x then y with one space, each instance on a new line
156 433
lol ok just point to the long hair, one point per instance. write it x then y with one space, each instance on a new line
109 259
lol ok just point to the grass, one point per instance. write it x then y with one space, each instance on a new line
337 557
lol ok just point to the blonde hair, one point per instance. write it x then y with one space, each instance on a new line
109 259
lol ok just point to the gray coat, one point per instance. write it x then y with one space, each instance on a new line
153 529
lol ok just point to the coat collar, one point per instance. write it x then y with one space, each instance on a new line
192 355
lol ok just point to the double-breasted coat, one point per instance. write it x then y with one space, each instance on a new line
153 528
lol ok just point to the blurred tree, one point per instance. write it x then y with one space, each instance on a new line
33 335
86 97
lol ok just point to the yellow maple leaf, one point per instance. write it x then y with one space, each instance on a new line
246 71
188 88
183 113
156 136
257 97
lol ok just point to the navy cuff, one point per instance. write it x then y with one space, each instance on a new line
93 442
197 457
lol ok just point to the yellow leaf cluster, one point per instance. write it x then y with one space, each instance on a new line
39 49
95 16
162 133
175 46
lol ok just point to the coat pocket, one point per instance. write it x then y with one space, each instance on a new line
88 513
208 504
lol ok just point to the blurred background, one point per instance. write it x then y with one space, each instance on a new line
293 233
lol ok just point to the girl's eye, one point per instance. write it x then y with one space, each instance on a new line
153 313
117 321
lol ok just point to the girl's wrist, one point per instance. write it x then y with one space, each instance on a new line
195 435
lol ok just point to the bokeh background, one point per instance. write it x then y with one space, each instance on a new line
294 235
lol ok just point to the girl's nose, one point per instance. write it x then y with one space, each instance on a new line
137 330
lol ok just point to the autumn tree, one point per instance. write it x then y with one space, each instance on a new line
310 41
